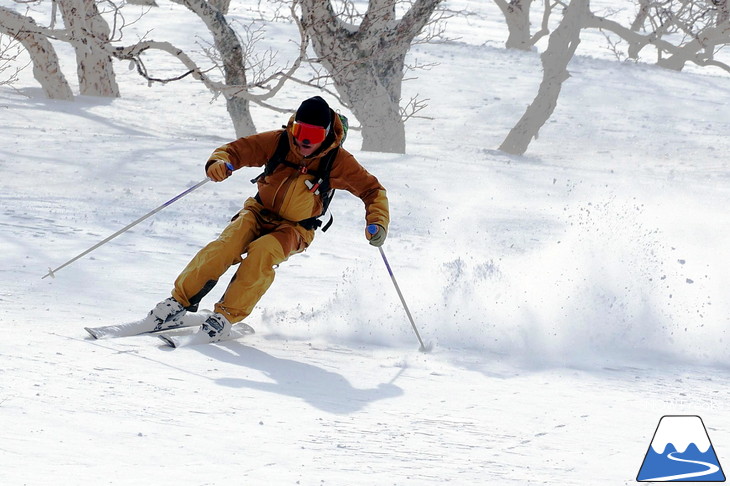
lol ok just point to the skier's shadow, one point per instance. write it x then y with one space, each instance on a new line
326 390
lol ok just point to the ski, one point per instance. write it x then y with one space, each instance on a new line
136 328
177 340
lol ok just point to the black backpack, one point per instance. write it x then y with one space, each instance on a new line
322 184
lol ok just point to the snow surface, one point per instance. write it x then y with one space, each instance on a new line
575 295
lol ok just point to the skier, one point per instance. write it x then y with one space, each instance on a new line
279 221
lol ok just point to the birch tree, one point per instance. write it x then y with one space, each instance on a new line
681 32
89 34
517 15
230 55
367 61
46 68
232 61
561 47
702 26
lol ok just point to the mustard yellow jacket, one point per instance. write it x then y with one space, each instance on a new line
284 191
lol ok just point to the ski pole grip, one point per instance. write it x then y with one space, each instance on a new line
372 229
230 167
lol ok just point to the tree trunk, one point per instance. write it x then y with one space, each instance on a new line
517 15
46 68
723 12
371 99
221 5
722 20
378 112
641 16
239 109
234 66
691 51
88 33
676 61
367 64
561 47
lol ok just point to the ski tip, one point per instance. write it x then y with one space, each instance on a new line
167 340
91 332
246 329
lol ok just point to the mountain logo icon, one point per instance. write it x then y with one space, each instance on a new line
681 451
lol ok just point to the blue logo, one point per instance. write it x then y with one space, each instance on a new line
681 451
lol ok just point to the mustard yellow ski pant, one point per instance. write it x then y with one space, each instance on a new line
266 241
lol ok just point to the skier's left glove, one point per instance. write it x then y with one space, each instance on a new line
377 238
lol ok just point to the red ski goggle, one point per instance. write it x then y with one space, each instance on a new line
308 134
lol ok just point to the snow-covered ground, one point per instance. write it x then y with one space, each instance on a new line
575 295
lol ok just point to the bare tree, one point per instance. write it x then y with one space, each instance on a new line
367 61
561 47
689 31
233 63
242 70
703 25
89 34
46 67
517 16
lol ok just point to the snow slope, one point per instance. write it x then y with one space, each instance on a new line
575 295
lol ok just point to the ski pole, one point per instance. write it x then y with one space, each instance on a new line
372 229
52 272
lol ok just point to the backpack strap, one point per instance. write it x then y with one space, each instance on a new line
279 157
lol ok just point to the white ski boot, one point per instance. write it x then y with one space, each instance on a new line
168 314
165 315
216 327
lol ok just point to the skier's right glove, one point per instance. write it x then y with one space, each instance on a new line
218 171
